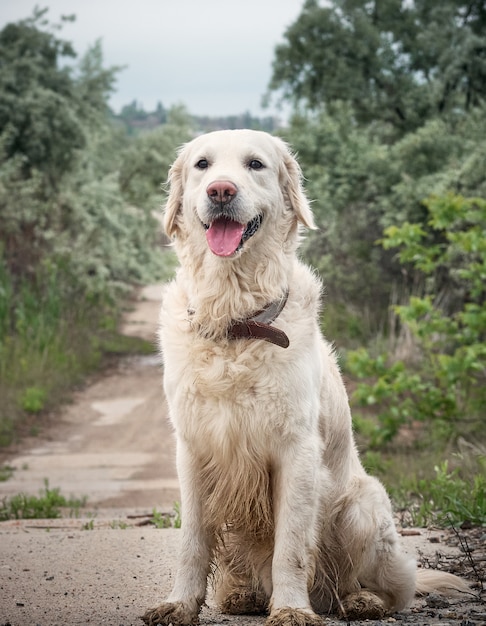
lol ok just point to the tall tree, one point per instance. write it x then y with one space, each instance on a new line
50 111
44 109
393 60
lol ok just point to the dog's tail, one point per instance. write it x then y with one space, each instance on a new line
433 581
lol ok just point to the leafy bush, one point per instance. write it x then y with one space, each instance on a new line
33 399
444 384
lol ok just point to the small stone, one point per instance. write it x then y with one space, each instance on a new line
436 601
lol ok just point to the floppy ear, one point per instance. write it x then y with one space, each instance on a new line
292 177
173 207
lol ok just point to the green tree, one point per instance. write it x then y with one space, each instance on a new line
360 183
49 112
44 109
399 62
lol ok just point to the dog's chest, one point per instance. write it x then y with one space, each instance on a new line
230 398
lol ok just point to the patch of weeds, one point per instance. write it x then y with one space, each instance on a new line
446 500
118 525
6 472
375 463
48 505
6 431
33 399
161 520
167 520
89 525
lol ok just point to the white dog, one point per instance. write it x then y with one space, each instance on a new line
275 502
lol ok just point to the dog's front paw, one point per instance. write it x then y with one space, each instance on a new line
363 605
294 617
175 613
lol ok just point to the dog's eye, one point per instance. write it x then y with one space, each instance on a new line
202 164
255 164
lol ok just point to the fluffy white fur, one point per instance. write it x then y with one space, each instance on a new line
275 502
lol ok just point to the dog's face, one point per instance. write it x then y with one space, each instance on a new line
229 190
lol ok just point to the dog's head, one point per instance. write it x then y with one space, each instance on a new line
231 189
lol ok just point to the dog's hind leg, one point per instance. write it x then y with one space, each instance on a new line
385 574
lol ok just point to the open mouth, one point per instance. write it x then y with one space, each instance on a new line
225 237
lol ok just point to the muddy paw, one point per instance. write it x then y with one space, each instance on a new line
174 613
244 601
363 605
294 617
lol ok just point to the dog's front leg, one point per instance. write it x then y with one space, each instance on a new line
296 503
188 594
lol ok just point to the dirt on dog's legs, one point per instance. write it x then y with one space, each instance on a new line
188 594
295 536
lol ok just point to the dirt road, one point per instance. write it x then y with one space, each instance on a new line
113 444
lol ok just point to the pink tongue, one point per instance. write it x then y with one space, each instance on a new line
224 236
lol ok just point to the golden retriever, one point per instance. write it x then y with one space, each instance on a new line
276 505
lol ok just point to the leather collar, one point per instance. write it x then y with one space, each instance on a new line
258 326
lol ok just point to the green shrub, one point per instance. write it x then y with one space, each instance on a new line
33 399
444 384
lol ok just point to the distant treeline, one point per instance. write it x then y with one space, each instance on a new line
136 119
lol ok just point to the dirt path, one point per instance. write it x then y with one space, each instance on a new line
113 443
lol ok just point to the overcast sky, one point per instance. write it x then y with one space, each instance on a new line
214 56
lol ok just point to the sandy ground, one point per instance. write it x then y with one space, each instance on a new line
114 446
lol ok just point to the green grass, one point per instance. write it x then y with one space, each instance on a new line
428 490
49 504
445 500
50 339
6 472
122 345
167 520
